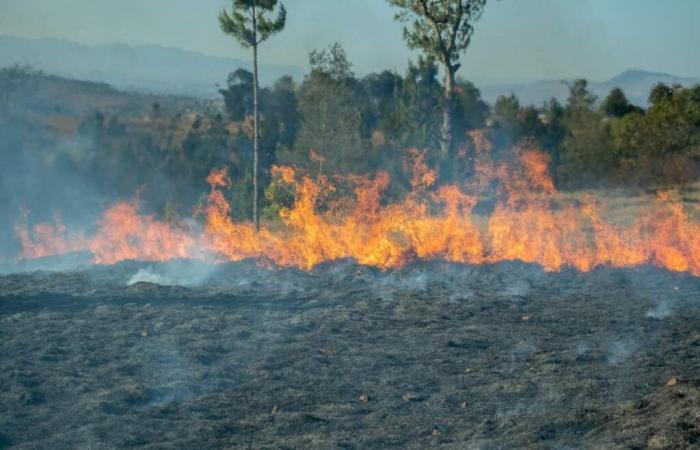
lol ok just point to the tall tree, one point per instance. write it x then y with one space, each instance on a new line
250 25
441 29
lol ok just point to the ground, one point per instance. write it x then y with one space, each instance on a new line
434 355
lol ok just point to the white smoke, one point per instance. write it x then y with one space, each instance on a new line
186 273
148 276
662 310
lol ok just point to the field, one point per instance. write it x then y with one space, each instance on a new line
433 355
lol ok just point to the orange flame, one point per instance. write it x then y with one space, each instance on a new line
530 222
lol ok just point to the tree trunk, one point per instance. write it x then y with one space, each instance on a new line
256 121
446 131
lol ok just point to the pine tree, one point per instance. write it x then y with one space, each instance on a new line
250 25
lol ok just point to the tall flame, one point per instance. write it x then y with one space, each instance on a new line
530 221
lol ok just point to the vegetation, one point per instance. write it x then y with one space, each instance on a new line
89 143
250 26
441 30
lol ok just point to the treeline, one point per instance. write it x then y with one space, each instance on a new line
334 122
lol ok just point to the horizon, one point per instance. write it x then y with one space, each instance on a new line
513 42
304 68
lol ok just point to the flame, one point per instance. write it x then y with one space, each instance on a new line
124 234
46 240
530 222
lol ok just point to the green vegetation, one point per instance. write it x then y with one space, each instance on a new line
77 137
249 25
441 30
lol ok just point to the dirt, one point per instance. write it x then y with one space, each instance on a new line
434 355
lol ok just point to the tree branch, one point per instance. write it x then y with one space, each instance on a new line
436 29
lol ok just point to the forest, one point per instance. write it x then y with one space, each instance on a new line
331 122
89 144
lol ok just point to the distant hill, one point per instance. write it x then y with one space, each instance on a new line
144 68
160 70
635 83
51 95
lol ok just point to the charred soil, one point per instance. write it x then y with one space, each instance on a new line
434 355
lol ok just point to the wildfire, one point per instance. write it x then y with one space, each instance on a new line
530 222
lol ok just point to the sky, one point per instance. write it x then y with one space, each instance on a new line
514 40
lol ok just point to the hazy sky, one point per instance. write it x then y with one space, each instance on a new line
516 39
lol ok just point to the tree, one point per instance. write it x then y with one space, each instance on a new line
441 29
249 25
470 109
238 95
16 82
617 105
670 126
383 92
662 145
587 152
505 112
580 100
155 108
281 115
332 105
555 131
332 62
420 105
659 93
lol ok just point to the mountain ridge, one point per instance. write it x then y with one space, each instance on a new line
636 84
145 68
158 69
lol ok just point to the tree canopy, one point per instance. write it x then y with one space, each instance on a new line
439 28
248 21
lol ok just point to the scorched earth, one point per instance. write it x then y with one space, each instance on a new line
431 355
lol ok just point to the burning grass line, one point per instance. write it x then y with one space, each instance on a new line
530 222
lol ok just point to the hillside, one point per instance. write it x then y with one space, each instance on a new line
61 139
635 83
49 95
146 68
155 69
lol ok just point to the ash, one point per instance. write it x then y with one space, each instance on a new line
435 355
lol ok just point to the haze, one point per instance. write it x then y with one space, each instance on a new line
515 40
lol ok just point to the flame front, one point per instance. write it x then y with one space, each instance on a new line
530 222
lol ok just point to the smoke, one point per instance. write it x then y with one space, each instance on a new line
530 220
619 351
71 261
517 290
148 276
416 281
582 349
186 273
56 165
662 310
39 183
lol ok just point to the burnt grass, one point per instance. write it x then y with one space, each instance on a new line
434 355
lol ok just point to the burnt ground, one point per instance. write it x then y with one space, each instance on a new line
430 356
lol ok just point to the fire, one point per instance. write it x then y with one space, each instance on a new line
124 234
530 222
46 240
